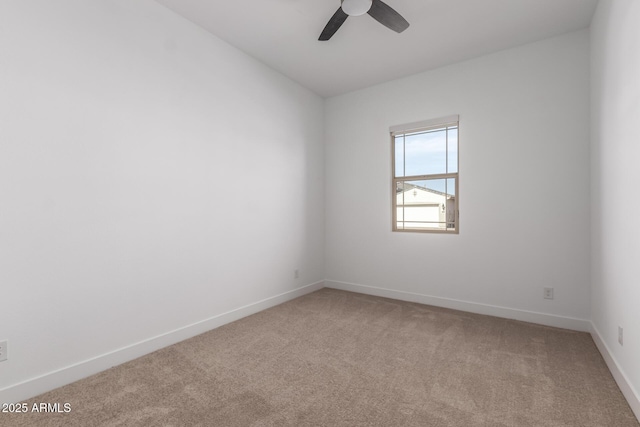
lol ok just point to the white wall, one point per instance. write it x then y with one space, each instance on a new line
126 132
524 154
615 92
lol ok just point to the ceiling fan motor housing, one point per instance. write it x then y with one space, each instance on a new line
356 7
377 9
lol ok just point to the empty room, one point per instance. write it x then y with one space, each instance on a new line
319 213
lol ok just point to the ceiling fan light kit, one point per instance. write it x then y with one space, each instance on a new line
377 9
356 7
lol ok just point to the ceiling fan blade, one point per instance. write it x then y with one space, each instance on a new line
334 23
384 14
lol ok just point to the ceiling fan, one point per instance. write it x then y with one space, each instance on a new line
377 9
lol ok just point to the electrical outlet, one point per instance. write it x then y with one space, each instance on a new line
296 274
620 336
548 293
3 351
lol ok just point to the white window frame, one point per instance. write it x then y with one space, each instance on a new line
416 127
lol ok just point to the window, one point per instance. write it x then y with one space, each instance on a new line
425 176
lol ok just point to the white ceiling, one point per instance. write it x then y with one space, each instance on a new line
284 34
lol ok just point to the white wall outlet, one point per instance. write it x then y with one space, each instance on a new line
3 351
548 293
296 274
620 335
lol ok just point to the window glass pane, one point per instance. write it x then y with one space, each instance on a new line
452 158
426 153
435 186
399 156
422 204
451 206
451 187
400 193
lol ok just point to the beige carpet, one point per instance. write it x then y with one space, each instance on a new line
336 358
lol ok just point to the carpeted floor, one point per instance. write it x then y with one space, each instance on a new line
334 358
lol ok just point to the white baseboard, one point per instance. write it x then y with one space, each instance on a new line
35 386
630 393
581 325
